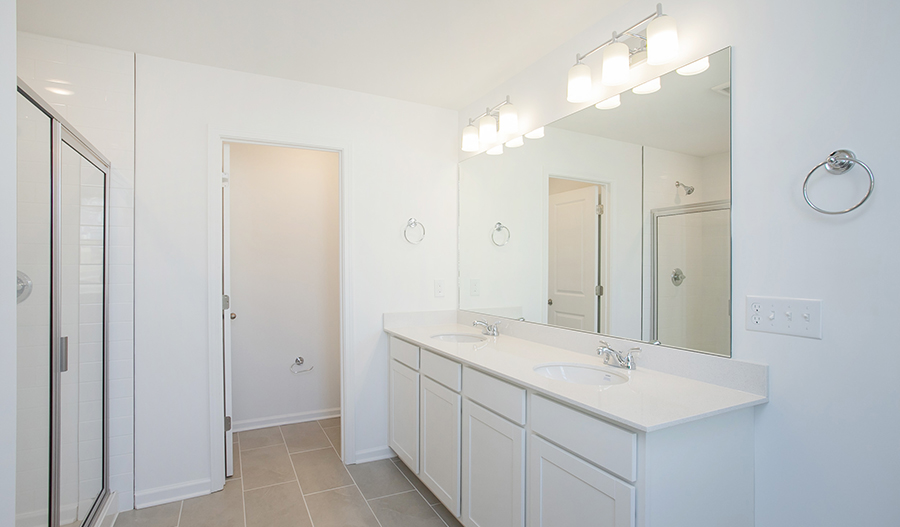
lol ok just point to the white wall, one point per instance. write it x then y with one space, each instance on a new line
826 443
513 189
402 164
285 284
101 108
8 261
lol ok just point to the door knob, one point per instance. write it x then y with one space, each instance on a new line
550 302
233 316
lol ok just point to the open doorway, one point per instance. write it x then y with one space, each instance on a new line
281 286
577 251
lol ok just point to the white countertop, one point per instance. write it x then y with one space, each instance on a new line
649 401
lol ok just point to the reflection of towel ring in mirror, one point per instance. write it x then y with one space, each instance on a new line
838 163
499 227
299 362
413 224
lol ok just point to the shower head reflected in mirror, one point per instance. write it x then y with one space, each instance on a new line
688 190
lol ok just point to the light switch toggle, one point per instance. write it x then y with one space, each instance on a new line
772 315
789 315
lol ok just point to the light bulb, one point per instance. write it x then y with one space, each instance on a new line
648 87
609 104
509 119
495 151
487 130
515 142
537 133
662 40
694 67
580 86
470 139
615 64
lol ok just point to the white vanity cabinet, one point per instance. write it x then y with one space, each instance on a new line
441 428
404 382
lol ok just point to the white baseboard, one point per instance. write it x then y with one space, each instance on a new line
374 454
277 420
170 493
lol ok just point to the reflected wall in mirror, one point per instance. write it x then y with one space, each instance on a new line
619 219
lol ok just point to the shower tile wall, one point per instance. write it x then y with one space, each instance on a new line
101 107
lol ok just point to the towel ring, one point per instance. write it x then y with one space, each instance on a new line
837 163
499 227
299 362
413 224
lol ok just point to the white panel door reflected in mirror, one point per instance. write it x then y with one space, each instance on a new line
657 171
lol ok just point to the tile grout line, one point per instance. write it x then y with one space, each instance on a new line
296 478
329 490
180 509
415 488
397 494
330 442
241 461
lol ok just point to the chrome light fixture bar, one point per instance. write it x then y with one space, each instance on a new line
660 45
482 129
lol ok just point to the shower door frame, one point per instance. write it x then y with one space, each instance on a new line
61 131
655 214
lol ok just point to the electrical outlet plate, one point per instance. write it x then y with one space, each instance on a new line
474 287
438 288
801 317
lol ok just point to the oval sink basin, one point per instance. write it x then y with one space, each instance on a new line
459 337
580 374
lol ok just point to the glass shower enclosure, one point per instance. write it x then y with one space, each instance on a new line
62 474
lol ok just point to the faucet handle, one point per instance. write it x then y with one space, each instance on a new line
634 351
604 346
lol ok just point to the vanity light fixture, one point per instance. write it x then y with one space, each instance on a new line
537 133
482 129
648 87
609 104
495 151
698 66
515 142
470 138
660 46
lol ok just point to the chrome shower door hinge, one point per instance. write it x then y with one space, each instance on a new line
226 302
227 423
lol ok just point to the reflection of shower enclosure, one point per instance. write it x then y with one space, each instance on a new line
61 448
691 277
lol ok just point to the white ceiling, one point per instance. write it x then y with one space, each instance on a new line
442 53
685 115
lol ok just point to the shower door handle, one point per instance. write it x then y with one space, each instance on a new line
63 354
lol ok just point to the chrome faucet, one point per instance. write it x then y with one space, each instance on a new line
621 361
489 329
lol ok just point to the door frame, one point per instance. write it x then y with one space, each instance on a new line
218 136
605 230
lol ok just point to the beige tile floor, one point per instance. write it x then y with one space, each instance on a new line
292 476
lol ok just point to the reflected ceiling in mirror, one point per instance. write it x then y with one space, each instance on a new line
617 221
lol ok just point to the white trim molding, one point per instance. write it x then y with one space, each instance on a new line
287 419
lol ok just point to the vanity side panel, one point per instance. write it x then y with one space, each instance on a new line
699 474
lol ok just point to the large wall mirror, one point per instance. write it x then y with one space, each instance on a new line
617 221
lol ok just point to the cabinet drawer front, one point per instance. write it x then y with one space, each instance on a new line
499 396
602 443
442 370
566 491
405 352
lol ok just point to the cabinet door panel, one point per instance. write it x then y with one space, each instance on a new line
404 418
441 431
493 469
566 491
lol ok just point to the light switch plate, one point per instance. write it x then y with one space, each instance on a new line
801 317
474 287
438 288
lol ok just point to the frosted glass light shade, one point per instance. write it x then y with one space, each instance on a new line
609 104
580 86
694 67
662 41
515 142
487 130
615 64
470 139
509 119
648 87
537 133
495 151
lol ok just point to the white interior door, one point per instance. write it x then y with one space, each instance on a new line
226 305
574 237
